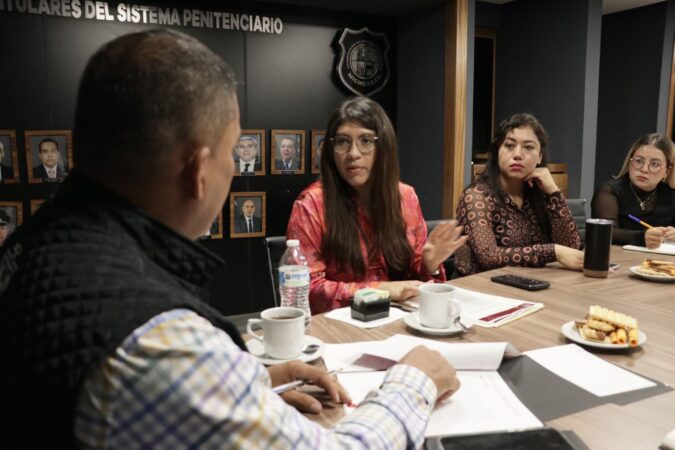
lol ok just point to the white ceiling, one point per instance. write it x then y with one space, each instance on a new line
608 6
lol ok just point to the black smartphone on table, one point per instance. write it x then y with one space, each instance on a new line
540 439
529 284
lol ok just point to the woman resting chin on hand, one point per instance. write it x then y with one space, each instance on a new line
515 214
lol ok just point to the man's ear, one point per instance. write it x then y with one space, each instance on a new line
195 172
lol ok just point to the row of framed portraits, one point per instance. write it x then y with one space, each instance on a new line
287 152
248 216
49 154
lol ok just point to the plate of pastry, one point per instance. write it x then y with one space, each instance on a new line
604 328
655 270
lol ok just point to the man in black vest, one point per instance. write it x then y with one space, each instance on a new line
104 338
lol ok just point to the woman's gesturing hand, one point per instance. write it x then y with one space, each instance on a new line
401 290
441 243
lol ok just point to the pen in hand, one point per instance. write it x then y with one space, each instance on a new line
294 384
638 220
646 225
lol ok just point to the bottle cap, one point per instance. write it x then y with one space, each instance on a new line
292 243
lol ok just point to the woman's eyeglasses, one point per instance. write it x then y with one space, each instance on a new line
365 144
638 162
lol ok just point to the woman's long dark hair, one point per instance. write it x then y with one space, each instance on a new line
491 174
341 244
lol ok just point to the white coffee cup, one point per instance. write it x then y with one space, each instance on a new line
283 331
438 307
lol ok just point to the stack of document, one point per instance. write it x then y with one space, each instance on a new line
483 404
492 310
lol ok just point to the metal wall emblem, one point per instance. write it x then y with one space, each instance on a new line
363 66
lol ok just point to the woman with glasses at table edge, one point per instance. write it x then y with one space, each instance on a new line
359 226
515 214
644 188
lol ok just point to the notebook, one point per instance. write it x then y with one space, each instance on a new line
667 248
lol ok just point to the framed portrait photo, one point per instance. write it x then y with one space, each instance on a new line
35 204
249 153
11 216
215 231
288 152
318 136
49 155
248 217
9 161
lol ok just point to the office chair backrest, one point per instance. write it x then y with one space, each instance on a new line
578 208
275 247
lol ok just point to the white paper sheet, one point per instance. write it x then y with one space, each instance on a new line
667 248
477 306
345 315
484 403
587 371
344 357
464 356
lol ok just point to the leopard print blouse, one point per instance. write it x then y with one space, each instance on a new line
501 234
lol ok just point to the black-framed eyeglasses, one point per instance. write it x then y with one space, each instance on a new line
638 162
365 143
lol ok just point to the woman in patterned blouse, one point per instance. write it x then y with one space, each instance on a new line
515 214
359 226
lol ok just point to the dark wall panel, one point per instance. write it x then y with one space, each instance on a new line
541 61
420 106
286 82
630 65
488 15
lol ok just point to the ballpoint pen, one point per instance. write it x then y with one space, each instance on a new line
638 220
646 225
294 384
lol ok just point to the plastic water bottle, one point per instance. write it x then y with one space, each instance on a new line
294 278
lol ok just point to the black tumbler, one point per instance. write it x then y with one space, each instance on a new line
598 243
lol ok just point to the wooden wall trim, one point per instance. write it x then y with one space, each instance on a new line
454 139
671 98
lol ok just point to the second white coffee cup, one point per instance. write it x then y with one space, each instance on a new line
283 331
438 307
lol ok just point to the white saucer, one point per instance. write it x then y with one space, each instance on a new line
413 321
569 330
662 278
257 349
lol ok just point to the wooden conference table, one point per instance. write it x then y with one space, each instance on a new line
638 425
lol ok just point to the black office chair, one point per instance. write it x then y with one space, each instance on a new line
275 247
448 264
578 208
